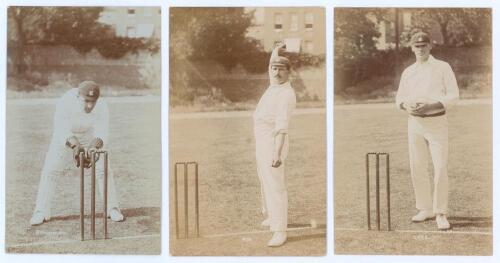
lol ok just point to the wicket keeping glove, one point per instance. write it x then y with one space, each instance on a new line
96 143
73 143
88 157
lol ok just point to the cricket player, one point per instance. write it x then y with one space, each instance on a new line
427 91
271 119
81 124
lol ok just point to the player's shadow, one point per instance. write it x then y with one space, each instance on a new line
462 221
298 225
307 236
127 212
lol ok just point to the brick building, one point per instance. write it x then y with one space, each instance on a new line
133 22
303 24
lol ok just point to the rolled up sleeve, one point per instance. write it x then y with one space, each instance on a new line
451 92
284 110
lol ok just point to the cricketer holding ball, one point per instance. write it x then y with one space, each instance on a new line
271 119
81 124
427 91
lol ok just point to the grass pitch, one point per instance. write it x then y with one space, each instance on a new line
365 128
135 155
223 145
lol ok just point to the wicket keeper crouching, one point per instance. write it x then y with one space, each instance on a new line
81 123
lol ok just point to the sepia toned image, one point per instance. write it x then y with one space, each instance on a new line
83 130
413 131
247 131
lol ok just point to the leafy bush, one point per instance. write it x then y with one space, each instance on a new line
378 76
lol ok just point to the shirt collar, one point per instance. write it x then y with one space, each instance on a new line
429 61
283 85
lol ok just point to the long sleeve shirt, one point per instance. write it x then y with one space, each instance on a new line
70 119
275 108
430 81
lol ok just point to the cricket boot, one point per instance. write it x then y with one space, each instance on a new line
116 215
38 218
422 216
442 222
278 239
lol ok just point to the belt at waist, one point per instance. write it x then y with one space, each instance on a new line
431 115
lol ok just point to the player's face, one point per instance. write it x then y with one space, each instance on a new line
280 74
87 104
421 51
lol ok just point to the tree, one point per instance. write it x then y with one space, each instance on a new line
22 27
74 26
217 34
209 36
356 33
458 26
208 42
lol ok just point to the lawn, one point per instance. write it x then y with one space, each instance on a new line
223 145
135 154
380 127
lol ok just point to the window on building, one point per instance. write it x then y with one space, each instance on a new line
131 32
131 12
148 11
278 21
309 46
294 22
309 21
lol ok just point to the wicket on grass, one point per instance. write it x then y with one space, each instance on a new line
186 203
377 188
93 160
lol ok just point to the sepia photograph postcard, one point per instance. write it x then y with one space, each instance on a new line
413 169
247 131
83 130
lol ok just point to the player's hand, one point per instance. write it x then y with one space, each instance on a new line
96 143
86 161
88 157
280 46
411 108
423 109
276 161
76 155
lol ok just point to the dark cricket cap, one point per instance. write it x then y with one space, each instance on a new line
280 61
420 38
89 89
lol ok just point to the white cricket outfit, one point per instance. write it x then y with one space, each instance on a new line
272 117
70 119
430 81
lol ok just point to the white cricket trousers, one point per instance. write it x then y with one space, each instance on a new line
429 135
274 194
58 158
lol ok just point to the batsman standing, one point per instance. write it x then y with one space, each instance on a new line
81 122
427 91
271 119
